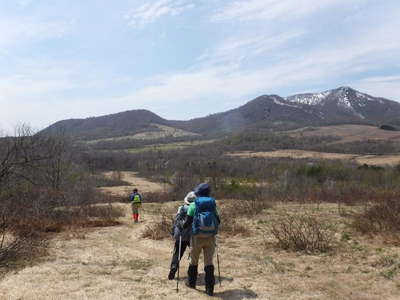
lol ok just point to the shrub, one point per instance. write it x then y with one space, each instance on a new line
15 243
159 229
232 210
302 233
388 127
381 217
243 208
15 247
159 197
232 227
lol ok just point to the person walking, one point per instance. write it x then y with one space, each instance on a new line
181 235
136 203
203 217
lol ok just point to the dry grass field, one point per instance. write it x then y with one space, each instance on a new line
381 160
162 132
349 133
116 263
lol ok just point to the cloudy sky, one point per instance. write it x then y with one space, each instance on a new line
181 59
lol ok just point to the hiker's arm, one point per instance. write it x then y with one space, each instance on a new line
189 217
188 222
217 216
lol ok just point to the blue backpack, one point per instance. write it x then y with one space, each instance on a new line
205 221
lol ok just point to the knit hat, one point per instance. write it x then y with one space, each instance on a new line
202 190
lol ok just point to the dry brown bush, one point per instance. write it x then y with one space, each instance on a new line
16 243
44 188
18 247
159 229
160 197
244 208
233 227
302 233
381 217
233 210
93 216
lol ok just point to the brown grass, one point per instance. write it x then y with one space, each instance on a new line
379 160
349 133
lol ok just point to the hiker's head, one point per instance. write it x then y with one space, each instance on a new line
135 190
189 198
202 190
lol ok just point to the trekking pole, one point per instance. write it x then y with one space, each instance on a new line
219 270
179 263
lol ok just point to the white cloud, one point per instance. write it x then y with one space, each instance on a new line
222 75
253 10
24 3
381 86
382 79
18 30
22 88
235 50
151 11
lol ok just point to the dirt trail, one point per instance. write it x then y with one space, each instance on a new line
134 180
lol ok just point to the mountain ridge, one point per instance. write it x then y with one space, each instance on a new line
337 106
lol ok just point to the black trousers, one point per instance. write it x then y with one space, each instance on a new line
175 256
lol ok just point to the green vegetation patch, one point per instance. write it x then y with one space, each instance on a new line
170 146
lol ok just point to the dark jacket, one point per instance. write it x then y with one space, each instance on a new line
178 229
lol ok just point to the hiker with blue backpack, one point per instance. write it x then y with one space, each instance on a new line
181 235
203 218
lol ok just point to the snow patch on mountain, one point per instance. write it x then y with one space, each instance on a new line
277 101
343 100
308 99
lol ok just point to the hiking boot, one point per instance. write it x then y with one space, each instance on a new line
192 277
171 274
209 279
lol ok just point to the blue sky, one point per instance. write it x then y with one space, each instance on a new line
182 59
